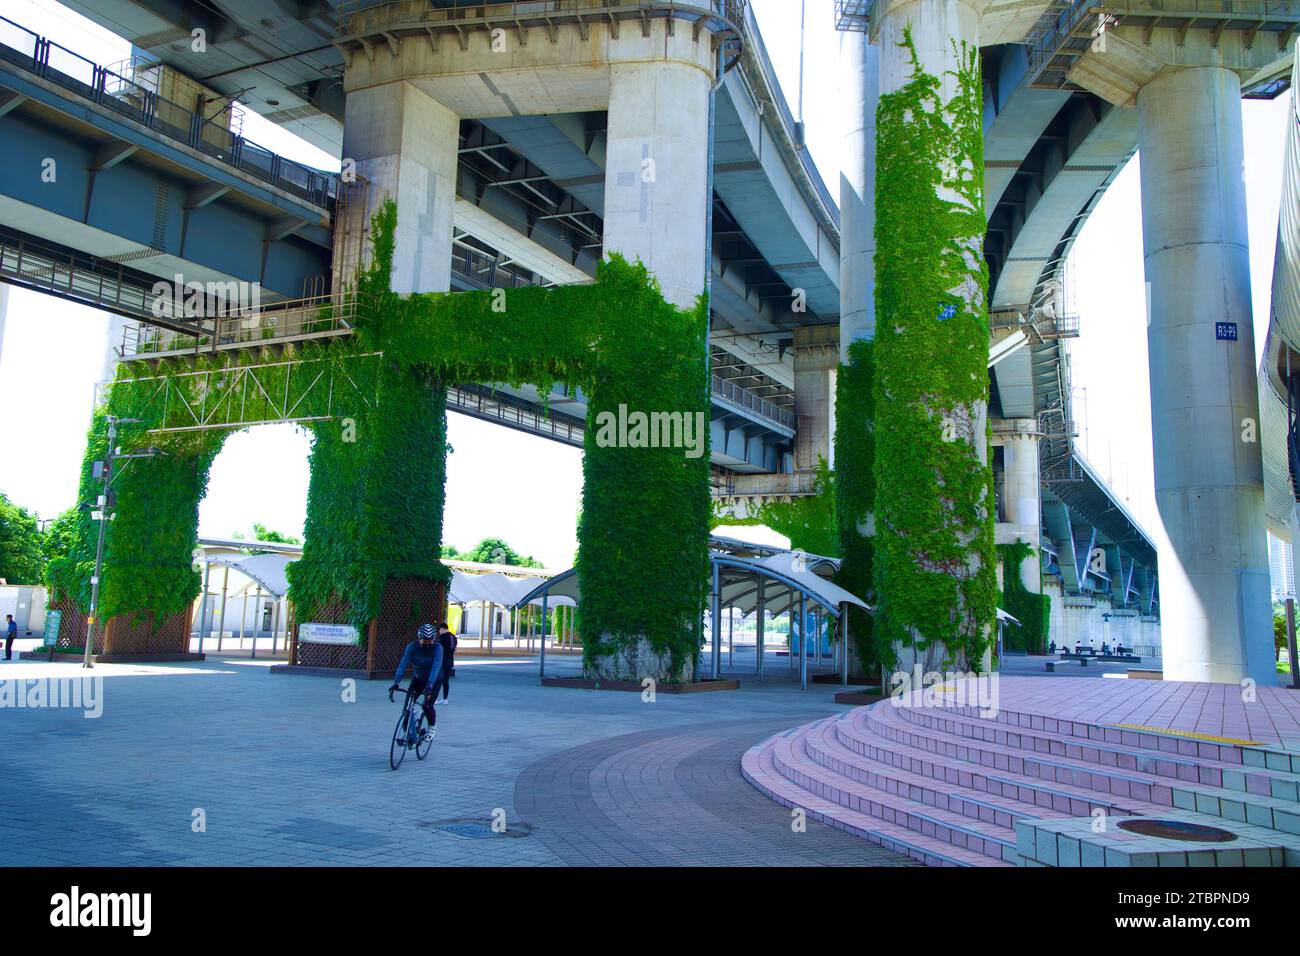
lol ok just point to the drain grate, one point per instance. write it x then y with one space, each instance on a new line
470 831
1178 830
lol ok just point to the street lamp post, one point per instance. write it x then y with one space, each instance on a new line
110 456
99 547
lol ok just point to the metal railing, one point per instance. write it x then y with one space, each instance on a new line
358 20
81 278
730 392
312 317
1065 29
71 71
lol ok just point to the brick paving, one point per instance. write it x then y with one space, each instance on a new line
282 771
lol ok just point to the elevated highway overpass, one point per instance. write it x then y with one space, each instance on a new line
531 188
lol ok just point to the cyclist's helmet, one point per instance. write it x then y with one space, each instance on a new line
427 633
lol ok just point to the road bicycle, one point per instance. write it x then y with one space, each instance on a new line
409 733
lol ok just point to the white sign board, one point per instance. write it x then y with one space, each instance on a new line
328 634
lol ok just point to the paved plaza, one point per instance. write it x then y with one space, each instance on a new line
282 771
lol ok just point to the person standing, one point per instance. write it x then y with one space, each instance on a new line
11 631
448 642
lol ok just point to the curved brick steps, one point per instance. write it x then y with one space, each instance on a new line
821 799
951 788
874 740
825 747
1185 764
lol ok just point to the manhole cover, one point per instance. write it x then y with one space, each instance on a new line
1178 830
474 830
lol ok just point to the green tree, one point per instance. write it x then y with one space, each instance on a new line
21 557
497 551
261 532
59 540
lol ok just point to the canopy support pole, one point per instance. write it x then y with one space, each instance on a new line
803 641
716 626
225 590
760 613
541 670
844 644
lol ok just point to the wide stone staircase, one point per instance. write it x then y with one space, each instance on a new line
952 788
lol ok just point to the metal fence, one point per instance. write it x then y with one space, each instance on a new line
75 73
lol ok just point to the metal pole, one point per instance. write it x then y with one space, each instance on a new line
243 620
87 661
789 664
541 672
482 623
760 613
844 643
803 642
1291 643
225 590
257 624
275 624
715 625
203 603
731 637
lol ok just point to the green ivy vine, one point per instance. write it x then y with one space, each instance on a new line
378 460
855 493
1033 611
933 555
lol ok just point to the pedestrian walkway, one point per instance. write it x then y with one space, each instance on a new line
223 763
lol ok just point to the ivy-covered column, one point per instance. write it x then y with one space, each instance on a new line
854 459
149 579
371 554
935 571
643 558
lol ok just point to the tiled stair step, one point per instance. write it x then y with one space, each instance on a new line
1260 811
915 776
760 770
1061 770
795 763
1148 739
1271 757
1191 769
1204 770
1018 794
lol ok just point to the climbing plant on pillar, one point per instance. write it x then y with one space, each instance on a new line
375 501
855 492
934 559
1033 611
641 362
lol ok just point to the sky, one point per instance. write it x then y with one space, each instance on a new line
525 489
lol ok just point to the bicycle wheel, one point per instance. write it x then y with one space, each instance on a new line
424 743
397 749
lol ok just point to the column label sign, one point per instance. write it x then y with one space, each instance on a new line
1225 331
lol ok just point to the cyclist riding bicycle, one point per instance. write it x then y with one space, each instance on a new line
424 656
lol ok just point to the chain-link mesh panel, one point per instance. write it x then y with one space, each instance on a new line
407 603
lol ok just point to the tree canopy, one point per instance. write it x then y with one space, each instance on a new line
21 558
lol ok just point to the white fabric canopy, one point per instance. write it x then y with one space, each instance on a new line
494 588
268 570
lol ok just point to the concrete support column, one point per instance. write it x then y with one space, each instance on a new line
1214 583
405 146
656 170
1022 493
860 92
935 25
816 357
